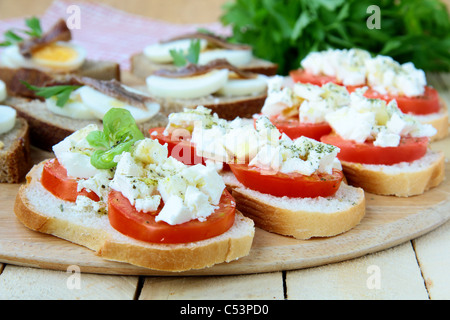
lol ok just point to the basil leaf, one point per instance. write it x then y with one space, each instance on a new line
120 133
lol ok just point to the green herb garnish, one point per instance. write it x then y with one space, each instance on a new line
285 31
61 93
119 134
192 56
35 31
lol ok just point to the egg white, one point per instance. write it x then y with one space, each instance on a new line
244 87
7 118
3 91
160 52
189 87
99 104
234 57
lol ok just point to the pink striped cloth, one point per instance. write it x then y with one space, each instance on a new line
111 34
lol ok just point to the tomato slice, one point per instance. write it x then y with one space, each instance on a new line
302 76
293 185
54 178
408 150
142 226
294 129
420 105
179 145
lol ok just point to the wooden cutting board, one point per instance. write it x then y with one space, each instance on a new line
389 221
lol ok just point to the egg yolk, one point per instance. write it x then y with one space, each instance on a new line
55 52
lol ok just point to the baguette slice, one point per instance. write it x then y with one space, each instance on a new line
439 121
401 180
142 67
15 160
39 210
301 218
47 128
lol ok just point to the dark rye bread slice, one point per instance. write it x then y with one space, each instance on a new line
227 108
15 159
143 67
47 128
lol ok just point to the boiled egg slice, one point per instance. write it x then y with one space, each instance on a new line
3 91
74 108
160 52
244 87
189 87
7 118
11 58
100 103
59 57
234 57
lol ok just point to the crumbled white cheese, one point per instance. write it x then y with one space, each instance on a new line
146 176
374 119
357 67
74 153
310 103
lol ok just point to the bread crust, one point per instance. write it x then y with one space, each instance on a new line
440 123
15 158
111 245
227 108
300 224
401 184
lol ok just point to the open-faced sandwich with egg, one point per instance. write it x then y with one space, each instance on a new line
291 187
39 57
121 195
15 160
218 85
211 47
383 150
386 78
300 110
65 107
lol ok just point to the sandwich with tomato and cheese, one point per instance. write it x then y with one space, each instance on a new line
121 195
292 187
385 78
383 150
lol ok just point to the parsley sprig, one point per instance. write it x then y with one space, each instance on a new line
181 59
61 92
285 31
34 30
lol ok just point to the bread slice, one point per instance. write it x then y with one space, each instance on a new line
15 160
227 108
39 210
402 180
143 67
301 218
438 120
47 128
